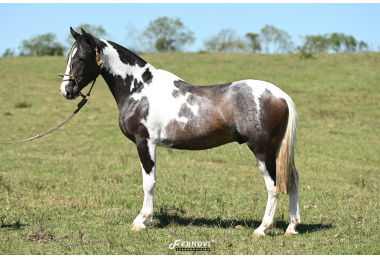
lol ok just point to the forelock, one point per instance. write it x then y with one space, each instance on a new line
82 46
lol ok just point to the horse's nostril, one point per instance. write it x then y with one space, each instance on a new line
68 94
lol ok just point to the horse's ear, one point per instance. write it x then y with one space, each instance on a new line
74 33
89 39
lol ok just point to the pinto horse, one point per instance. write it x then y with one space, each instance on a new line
158 108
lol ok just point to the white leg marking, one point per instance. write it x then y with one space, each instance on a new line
295 217
149 181
270 210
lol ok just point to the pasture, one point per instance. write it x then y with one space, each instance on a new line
78 190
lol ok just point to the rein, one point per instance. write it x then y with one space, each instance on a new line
79 106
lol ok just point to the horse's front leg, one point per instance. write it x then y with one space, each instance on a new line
147 153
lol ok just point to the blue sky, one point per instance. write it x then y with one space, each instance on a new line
23 21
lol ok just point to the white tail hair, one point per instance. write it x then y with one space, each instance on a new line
285 176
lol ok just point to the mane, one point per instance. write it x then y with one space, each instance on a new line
126 56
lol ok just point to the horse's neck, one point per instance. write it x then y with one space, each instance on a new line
124 71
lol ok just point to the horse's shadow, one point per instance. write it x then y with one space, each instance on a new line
166 219
14 226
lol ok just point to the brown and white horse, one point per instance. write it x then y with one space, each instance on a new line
158 108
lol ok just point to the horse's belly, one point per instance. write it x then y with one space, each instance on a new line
192 136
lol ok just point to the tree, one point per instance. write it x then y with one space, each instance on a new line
166 34
97 31
9 53
339 40
254 41
41 45
225 41
363 46
350 43
318 43
336 41
279 40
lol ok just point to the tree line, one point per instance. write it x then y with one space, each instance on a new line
171 35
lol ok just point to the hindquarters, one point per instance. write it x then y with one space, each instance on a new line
266 119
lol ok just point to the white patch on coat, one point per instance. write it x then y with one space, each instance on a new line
258 88
114 65
268 180
67 72
149 181
270 209
163 107
294 208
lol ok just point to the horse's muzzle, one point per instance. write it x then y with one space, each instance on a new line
70 91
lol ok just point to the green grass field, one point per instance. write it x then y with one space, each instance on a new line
77 190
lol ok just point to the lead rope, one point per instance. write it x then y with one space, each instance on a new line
80 105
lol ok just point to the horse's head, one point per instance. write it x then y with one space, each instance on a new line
83 65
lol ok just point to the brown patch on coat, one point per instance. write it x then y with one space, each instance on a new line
184 136
176 93
131 126
276 117
130 120
212 126
268 130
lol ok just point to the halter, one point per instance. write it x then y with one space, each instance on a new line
71 76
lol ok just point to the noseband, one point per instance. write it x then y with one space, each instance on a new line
72 77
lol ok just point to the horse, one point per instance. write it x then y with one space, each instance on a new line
157 108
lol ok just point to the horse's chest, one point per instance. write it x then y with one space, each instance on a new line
131 117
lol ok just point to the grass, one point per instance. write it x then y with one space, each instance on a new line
77 190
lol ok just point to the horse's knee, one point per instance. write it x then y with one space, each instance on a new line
148 185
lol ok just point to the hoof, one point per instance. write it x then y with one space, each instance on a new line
259 235
288 233
136 228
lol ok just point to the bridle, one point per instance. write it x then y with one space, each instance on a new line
72 77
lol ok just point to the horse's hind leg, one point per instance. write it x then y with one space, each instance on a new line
267 165
295 217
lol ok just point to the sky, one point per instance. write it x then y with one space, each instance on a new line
22 21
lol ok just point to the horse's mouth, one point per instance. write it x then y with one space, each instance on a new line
69 95
70 92
72 97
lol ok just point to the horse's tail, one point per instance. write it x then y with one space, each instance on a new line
285 175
